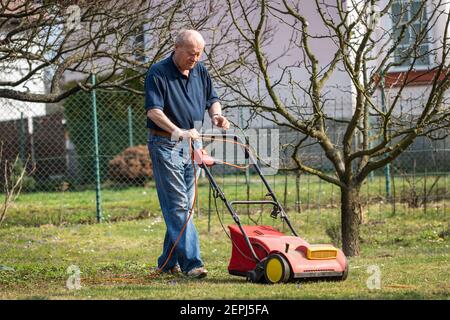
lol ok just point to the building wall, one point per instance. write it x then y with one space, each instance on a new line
13 109
288 50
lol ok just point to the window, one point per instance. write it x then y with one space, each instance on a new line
139 44
413 15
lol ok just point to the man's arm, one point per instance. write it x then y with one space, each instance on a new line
161 120
215 108
215 113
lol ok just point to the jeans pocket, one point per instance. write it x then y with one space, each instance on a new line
162 141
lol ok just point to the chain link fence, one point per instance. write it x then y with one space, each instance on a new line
81 170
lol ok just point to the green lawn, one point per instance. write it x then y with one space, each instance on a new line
59 208
44 234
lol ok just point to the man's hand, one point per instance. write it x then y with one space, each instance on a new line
180 134
220 121
193 134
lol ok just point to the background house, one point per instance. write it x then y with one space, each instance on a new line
24 122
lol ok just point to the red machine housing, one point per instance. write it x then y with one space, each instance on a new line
266 240
262 252
201 157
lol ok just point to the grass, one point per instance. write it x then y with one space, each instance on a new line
44 234
60 208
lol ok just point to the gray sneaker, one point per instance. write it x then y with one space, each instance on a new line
197 273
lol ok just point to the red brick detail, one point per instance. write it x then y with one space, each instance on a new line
413 78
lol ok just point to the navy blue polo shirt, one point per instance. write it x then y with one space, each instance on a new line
182 99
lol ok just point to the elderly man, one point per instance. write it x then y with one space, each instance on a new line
178 89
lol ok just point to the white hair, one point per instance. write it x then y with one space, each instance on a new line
186 35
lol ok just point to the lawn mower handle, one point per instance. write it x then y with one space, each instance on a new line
277 209
249 156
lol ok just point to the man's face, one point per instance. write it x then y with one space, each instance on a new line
187 55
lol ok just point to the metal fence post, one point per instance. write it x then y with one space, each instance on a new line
369 133
98 198
22 138
130 127
387 168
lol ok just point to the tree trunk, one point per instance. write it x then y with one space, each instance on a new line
350 219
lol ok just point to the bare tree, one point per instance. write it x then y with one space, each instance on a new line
53 39
11 183
367 41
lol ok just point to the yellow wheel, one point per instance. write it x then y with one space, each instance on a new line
276 269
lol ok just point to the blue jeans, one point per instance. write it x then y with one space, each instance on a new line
173 173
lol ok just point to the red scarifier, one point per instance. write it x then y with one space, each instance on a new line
264 254
269 242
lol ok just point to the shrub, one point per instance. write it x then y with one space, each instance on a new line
28 183
133 166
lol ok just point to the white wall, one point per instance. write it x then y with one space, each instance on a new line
337 89
12 109
338 85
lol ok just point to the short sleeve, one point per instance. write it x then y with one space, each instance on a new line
211 95
154 92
